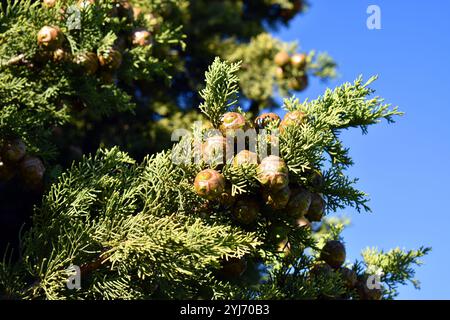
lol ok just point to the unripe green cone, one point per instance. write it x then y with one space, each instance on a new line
333 253
13 151
273 173
299 83
226 198
292 118
214 150
232 121
316 208
349 277
315 178
277 200
110 59
245 157
299 203
245 210
209 184
88 61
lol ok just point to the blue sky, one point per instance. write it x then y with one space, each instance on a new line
403 166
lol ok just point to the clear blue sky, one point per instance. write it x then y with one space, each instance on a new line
404 166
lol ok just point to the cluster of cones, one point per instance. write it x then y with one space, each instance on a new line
292 68
14 161
104 63
277 197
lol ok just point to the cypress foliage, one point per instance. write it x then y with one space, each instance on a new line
90 92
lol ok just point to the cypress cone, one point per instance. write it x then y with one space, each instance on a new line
333 253
273 173
50 37
298 61
13 151
277 200
233 267
232 121
245 157
299 203
209 184
59 55
292 118
279 73
277 232
265 119
299 83
315 178
110 59
316 208
88 61
32 171
226 198
349 277
282 58
214 150
246 210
